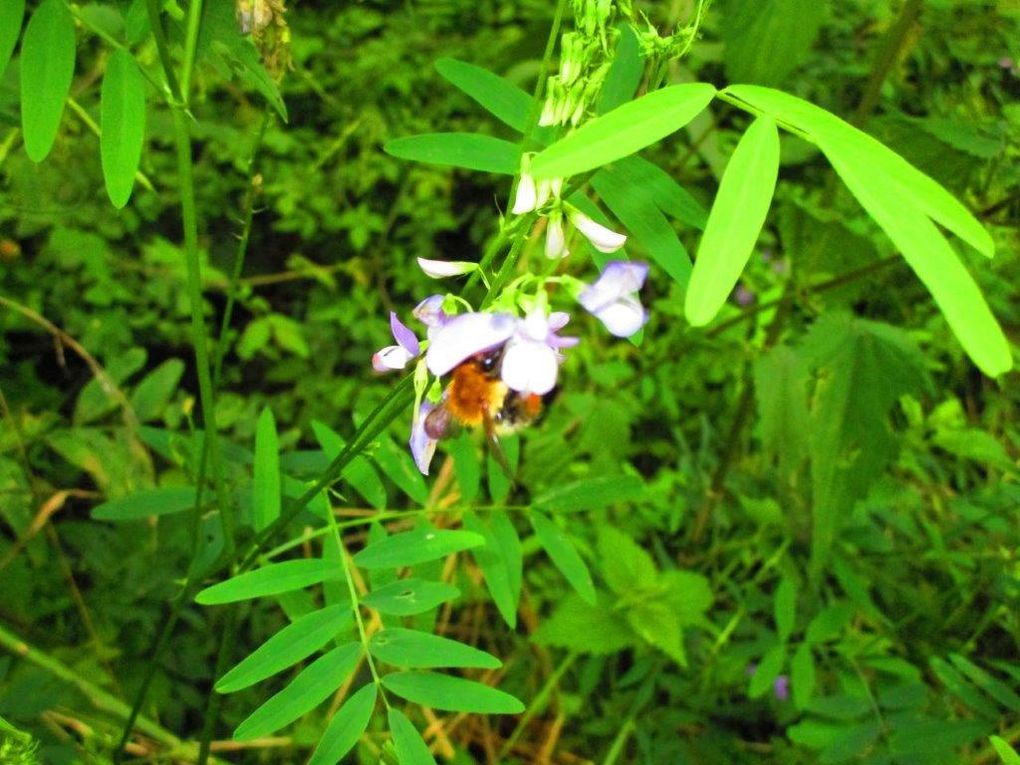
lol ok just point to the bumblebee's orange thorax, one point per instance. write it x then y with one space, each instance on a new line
474 394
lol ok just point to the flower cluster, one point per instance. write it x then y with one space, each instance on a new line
529 348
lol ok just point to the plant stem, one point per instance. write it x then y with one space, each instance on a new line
190 46
215 700
537 704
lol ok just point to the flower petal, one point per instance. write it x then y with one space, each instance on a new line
405 338
391 358
526 198
529 367
602 239
441 269
422 446
618 278
623 317
430 311
465 335
555 240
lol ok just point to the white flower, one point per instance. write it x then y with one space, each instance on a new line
531 359
463 336
613 297
394 357
602 239
441 269
526 198
555 240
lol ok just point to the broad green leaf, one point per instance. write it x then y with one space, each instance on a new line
451 694
585 628
408 743
624 73
346 727
95 399
310 688
146 503
266 498
122 113
12 14
419 545
359 472
936 265
658 625
780 386
423 650
785 608
295 642
1006 753
469 150
104 18
875 163
407 597
591 494
397 465
623 131
767 671
802 676
47 67
625 564
152 396
986 682
498 96
466 466
735 220
688 594
635 207
767 39
564 556
501 560
652 182
270 580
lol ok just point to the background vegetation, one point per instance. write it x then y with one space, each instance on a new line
684 469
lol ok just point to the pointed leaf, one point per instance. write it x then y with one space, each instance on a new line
310 688
624 73
12 14
451 694
501 561
423 650
591 494
47 67
359 472
266 498
397 465
270 580
785 608
988 683
411 749
419 545
1006 753
146 503
294 643
652 182
469 150
407 597
564 556
735 220
767 671
346 727
122 114
499 96
802 676
624 130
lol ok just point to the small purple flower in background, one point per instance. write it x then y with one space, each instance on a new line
743 295
531 359
394 357
781 687
423 446
612 299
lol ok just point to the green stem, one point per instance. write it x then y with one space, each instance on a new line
537 704
190 46
215 700
163 48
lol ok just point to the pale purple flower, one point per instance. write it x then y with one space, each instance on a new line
612 299
743 295
430 313
531 359
463 336
423 446
781 687
442 269
602 239
394 357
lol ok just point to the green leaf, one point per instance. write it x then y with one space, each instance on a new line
625 564
466 466
346 727
986 682
407 597
623 131
735 220
802 676
419 545
397 465
1006 753
650 181
270 580
266 498
785 608
501 560
624 73
585 628
152 396
47 67
122 113
305 692
411 749
12 14
591 494
496 95
451 694
780 386
933 260
659 626
423 650
295 642
633 204
875 163
469 150
767 671
359 472
564 556
146 503
957 685
688 595
766 40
